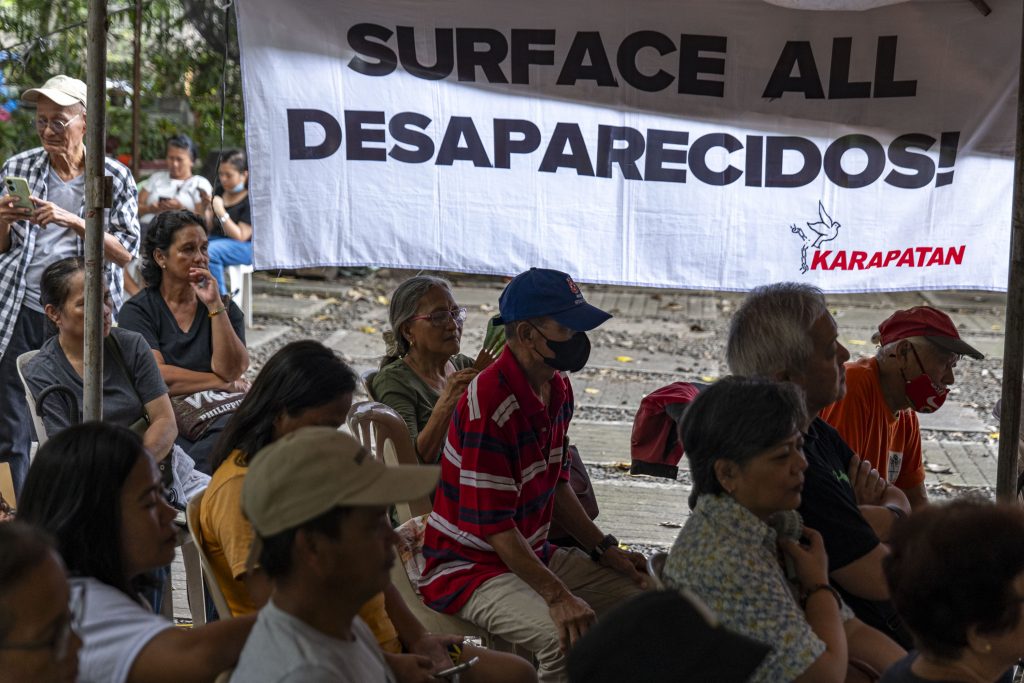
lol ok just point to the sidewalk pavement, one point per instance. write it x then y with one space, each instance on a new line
649 510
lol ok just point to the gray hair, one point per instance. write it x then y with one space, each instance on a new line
770 333
890 348
404 302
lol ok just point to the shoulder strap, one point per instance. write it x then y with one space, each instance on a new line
115 350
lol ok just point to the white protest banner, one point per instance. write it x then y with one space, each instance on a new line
690 143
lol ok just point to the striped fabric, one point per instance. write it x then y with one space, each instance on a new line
502 460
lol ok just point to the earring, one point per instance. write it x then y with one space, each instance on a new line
987 648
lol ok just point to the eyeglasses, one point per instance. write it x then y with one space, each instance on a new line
441 318
60 642
949 358
56 125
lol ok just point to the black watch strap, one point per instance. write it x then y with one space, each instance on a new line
608 541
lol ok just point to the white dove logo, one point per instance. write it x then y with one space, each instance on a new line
823 230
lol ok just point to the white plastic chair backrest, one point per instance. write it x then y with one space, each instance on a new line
37 421
367 378
196 530
384 434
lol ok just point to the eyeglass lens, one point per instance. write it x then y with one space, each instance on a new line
56 125
440 318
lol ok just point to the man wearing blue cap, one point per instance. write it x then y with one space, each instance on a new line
505 476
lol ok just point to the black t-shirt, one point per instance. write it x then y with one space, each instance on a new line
147 313
829 506
239 213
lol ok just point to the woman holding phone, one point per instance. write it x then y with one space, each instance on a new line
176 188
171 190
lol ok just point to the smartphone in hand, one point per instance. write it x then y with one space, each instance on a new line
457 669
19 186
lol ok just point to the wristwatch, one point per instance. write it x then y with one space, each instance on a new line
599 550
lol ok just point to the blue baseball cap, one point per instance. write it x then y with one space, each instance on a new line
544 293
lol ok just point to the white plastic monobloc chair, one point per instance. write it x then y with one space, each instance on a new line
383 432
37 421
196 531
240 280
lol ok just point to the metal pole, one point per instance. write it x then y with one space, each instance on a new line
1013 345
98 190
136 88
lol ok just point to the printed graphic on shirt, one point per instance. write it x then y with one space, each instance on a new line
842 476
895 463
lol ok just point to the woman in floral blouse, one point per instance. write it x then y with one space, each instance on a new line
743 439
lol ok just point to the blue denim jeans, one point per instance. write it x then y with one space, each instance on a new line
225 251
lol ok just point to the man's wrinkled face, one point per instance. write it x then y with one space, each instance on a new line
71 119
924 357
824 378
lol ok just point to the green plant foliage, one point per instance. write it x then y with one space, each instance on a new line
40 38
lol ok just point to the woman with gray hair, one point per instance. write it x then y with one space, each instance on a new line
423 375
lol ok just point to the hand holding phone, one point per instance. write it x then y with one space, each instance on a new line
19 187
457 669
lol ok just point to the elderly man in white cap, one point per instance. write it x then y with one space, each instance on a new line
53 228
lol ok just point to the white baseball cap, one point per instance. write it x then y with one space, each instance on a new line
62 90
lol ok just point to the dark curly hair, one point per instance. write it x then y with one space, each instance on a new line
160 235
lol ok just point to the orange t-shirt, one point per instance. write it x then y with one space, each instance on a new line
891 443
227 537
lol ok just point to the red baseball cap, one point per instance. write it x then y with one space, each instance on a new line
927 322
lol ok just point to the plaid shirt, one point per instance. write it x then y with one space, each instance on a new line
505 454
122 222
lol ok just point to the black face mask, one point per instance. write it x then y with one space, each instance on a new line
570 355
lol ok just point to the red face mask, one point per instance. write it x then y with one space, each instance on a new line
925 396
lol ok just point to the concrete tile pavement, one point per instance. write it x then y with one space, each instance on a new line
970 464
640 506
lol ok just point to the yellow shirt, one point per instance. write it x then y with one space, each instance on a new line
227 537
